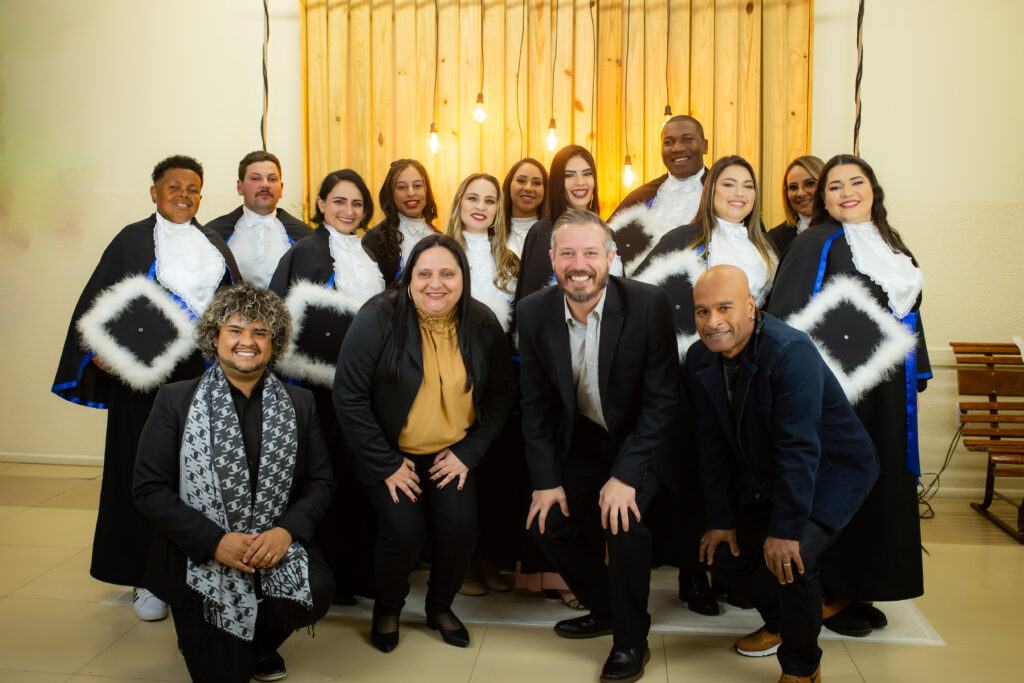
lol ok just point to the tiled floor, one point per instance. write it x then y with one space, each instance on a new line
54 627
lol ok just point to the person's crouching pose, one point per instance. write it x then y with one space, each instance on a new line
233 472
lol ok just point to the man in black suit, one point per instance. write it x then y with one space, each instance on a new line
785 464
233 472
600 391
258 232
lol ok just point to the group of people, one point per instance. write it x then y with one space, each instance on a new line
529 383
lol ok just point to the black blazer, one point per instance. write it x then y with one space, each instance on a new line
535 271
225 225
183 530
791 429
372 407
638 376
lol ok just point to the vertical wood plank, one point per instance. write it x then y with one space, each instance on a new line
584 83
634 109
382 64
679 56
607 150
359 64
538 82
492 153
406 89
655 89
774 119
702 70
516 85
564 75
799 14
749 100
470 72
424 90
727 70
316 120
337 86
447 177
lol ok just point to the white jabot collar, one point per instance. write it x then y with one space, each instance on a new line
802 223
355 273
258 243
677 201
893 271
412 232
730 245
520 227
187 263
481 276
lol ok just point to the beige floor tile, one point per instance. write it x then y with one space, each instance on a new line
69 580
58 637
29 491
25 469
9 676
49 527
85 496
24 563
341 650
712 659
6 466
951 566
147 652
8 511
956 522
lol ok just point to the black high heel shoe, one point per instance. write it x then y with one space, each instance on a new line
458 636
384 641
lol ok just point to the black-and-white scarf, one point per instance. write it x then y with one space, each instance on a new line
215 481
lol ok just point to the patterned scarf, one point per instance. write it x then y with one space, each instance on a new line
215 481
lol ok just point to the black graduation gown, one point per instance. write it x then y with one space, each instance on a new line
878 554
781 236
535 271
347 532
225 225
123 535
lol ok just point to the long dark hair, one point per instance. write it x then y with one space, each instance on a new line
555 196
389 225
707 219
506 191
404 310
333 179
879 216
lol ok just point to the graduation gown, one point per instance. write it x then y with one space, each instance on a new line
535 271
225 225
347 531
123 535
781 236
878 554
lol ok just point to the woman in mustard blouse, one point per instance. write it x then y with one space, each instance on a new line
423 385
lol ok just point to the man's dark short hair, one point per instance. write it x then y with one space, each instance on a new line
680 118
177 161
255 158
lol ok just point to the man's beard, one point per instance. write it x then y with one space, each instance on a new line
600 282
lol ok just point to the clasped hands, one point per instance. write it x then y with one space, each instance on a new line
780 555
446 468
616 500
250 552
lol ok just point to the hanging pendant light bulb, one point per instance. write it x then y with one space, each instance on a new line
668 114
479 115
434 144
552 139
627 173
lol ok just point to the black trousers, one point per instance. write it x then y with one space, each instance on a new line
576 544
792 610
213 656
402 532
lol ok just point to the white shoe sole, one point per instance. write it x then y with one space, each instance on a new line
757 653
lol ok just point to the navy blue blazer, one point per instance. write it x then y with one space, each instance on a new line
791 429
638 379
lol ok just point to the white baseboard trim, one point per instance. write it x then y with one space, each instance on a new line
53 459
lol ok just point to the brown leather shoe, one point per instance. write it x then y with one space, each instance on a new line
813 678
760 643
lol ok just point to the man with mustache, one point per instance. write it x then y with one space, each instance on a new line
600 383
258 232
784 460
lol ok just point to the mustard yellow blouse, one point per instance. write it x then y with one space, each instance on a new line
443 409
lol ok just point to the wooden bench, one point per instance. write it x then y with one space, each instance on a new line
994 426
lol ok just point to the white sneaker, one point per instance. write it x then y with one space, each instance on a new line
147 606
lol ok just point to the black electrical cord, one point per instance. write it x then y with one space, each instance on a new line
266 81
928 491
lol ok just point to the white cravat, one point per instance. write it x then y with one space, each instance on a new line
520 226
258 243
730 245
481 276
677 201
355 273
892 271
412 232
187 263
802 223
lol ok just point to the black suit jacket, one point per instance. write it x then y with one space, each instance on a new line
182 530
225 225
790 428
638 376
372 407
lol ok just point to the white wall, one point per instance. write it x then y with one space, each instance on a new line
940 124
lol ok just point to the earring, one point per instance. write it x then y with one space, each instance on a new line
751 318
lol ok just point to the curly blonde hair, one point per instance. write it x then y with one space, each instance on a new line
254 305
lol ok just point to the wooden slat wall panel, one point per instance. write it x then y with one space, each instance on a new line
742 67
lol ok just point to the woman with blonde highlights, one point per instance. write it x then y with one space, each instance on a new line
798 185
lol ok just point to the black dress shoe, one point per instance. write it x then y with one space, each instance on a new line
269 667
874 616
587 626
695 591
625 664
458 636
848 622
723 591
383 641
